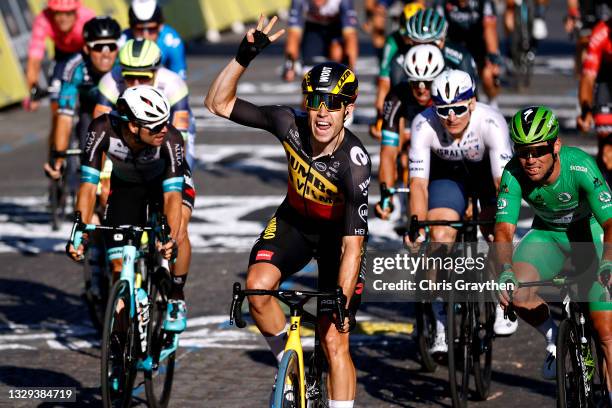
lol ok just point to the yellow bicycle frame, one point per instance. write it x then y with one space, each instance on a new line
294 342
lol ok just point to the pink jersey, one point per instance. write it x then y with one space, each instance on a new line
43 27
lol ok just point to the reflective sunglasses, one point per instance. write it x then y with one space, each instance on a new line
147 29
420 84
526 152
103 46
145 77
445 111
332 103
153 130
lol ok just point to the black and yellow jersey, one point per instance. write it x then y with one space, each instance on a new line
329 188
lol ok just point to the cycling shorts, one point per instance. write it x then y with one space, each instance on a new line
290 241
547 251
316 41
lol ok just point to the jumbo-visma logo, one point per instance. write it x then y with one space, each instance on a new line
307 181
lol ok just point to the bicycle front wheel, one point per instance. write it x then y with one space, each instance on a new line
426 332
570 376
118 370
158 381
482 347
459 355
287 389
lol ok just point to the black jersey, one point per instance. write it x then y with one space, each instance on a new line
329 188
399 103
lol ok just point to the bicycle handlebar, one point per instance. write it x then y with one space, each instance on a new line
415 225
286 296
386 194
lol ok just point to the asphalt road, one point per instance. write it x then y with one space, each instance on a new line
46 338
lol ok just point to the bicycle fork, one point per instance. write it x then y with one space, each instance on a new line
294 343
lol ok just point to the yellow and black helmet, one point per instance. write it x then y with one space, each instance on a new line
331 78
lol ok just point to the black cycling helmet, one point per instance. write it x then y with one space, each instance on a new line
145 11
331 78
101 28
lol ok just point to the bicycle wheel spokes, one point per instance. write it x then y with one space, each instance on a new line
158 381
459 351
482 348
118 370
287 388
426 332
570 378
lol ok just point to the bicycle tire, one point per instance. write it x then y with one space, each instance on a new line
459 356
426 331
316 380
287 388
570 379
118 347
54 203
158 382
96 306
482 348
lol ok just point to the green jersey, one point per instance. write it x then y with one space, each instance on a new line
578 193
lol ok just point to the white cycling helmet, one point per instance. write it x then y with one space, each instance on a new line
423 62
145 105
452 86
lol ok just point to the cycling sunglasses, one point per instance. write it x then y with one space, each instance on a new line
143 77
420 84
153 130
102 46
526 152
445 111
332 103
147 29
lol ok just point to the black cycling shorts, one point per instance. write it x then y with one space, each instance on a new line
290 241
316 41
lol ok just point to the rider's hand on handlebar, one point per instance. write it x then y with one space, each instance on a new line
507 276
54 172
168 250
585 121
414 247
383 214
78 254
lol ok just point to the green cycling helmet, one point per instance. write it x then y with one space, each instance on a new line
534 124
139 56
425 26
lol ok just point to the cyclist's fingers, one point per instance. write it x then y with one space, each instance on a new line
249 35
270 24
276 35
260 22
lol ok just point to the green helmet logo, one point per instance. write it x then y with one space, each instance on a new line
534 124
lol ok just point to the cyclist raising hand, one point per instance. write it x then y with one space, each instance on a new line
325 210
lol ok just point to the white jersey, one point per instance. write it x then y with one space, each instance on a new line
487 132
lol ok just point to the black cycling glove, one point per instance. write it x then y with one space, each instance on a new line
249 50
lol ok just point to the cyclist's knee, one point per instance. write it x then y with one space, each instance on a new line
443 234
602 322
336 344
262 276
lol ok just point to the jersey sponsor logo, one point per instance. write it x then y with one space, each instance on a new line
504 188
578 168
320 166
363 212
270 231
564 197
539 199
359 231
502 203
325 73
118 149
358 156
263 255
364 186
597 182
310 184
605 197
359 288
505 157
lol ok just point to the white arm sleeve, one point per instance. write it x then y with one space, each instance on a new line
420 147
497 140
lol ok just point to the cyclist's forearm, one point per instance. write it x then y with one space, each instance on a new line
86 199
32 71
61 134
384 84
222 93
292 46
172 210
490 36
585 90
418 198
350 261
504 232
607 227
351 46
388 169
